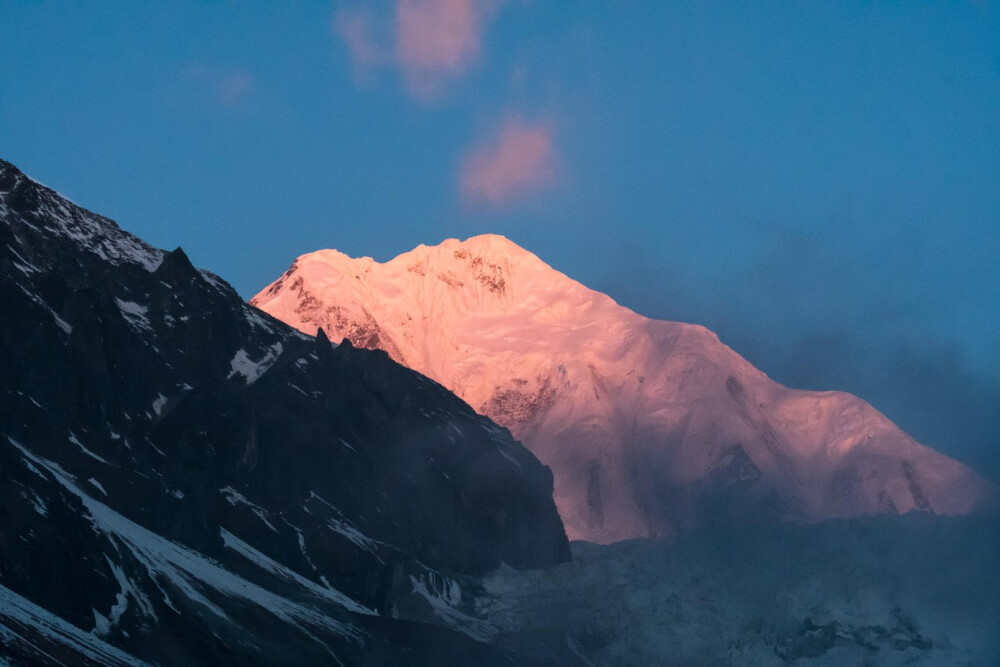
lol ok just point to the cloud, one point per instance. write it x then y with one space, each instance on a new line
234 88
230 88
520 160
437 40
356 27
431 41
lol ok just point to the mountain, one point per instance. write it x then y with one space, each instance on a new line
913 590
186 480
650 427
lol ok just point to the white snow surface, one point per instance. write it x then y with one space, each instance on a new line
618 405
17 612
444 595
242 364
92 233
277 569
234 497
135 314
80 445
195 575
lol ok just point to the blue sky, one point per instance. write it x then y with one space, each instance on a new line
817 182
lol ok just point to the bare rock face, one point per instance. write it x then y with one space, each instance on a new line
650 427
186 480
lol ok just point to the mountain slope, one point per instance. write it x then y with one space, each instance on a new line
649 426
184 480
887 591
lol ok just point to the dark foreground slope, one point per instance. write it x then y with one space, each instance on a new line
185 480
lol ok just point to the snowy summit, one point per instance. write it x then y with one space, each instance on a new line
649 426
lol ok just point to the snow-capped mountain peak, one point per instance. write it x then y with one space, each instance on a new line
649 426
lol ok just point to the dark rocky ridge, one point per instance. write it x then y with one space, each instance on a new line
143 406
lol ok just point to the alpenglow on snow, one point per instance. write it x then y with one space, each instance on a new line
649 426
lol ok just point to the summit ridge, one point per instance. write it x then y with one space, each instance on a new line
650 426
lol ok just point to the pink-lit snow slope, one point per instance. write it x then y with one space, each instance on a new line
649 426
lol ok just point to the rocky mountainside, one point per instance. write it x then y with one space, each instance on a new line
185 480
650 427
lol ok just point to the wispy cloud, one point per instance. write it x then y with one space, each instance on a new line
230 88
356 28
517 162
235 87
437 40
431 42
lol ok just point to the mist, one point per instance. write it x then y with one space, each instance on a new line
815 318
